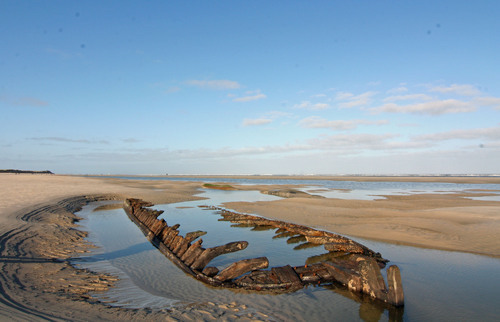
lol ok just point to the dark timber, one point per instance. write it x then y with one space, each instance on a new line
348 263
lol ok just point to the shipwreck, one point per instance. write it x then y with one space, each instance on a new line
352 265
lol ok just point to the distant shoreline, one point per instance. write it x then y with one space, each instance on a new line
493 179
15 171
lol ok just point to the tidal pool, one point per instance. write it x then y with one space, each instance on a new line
438 285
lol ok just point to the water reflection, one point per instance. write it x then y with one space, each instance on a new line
439 285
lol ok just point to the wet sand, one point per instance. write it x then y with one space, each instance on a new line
37 236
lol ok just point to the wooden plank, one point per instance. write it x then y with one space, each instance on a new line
241 267
372 280
175 243
183 247
286 274
210 253
191 248
395 294
210 271
194 255
194 234
170 238
345 276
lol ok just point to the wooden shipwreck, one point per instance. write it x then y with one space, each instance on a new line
351 264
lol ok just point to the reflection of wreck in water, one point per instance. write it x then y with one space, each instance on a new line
348 264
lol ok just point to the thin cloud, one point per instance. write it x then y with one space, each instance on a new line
351 100
66 140
343 96
256 122
250 98
353 141
24 101
398 90
130 140
409 97
464 89
488 101
491 133
437 107
337 125
312 106
268 117
221 84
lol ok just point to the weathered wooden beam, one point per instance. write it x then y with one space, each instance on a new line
296 239
163 234
241 267
306 245
195 234
285 234
210 253
176 243
183 247
263 227
326 239
170 237
158 226
312 273
191 248
210 271
345 247
372 280
395 294
286 275
194 255
345 276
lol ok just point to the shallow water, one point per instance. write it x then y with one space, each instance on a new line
438 285
350 189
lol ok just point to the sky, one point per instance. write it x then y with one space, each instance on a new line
250 87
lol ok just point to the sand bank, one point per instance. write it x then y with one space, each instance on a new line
437 221
37 237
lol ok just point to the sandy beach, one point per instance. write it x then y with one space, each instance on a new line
38 236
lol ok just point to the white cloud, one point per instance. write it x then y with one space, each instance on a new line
343 96
312 106
408 97
437 107
355 142
221 84
250 98
337 125
491 133
488 101
67 140
464 89
130 140
397 90
277 114
352 100
259 121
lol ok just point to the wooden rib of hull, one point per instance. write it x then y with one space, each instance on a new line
357 267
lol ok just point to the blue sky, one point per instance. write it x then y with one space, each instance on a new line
250 87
